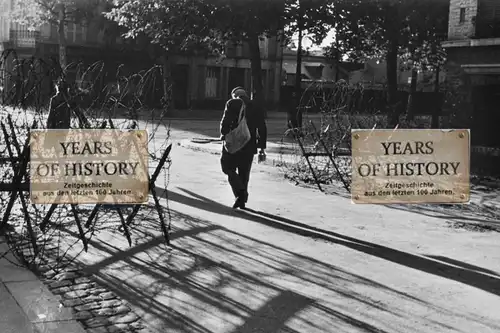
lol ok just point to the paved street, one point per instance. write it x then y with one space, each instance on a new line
368 268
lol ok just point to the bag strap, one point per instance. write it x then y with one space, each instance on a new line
240 117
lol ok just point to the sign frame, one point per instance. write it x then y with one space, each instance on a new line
91 155
394 166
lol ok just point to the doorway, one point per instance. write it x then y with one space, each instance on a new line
486 115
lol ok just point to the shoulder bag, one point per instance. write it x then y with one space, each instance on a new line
236 139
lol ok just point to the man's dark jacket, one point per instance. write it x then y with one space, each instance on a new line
255 121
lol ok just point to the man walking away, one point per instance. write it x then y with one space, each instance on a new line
237 166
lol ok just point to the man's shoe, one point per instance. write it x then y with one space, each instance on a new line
239 203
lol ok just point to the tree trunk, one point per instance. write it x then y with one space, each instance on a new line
411 96
59 108
296 112
298 69
337 61
337 68
167 83
256 69
392 82
63 62
437 109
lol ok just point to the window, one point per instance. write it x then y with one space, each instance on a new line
70 32
263 46
239 49
76 33
462 15
212 82
80 34
234 49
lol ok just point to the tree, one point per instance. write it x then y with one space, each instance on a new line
313 17
174 26
392 29
34 13
247 21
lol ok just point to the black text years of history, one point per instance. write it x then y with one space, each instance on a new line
87 168
390 169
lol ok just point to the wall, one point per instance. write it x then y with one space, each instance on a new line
461 30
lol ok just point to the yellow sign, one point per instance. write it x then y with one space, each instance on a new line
82 166
410 166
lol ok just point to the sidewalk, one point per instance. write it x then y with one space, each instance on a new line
26 305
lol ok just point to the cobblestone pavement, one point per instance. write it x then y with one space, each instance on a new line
97 309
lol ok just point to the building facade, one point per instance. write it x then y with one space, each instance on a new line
473 68
206 82
198 82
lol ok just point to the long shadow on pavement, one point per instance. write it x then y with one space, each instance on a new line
460 274
217 280
233 279
463 265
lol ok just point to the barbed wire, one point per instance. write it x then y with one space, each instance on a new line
335 109
331 123
130 100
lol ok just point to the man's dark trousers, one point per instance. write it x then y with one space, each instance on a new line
237 168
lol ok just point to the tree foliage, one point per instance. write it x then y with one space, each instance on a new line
248 21
174 25
243 19
403 32
313 16
366 28
34 13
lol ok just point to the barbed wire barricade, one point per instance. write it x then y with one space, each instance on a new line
99 98
319 152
